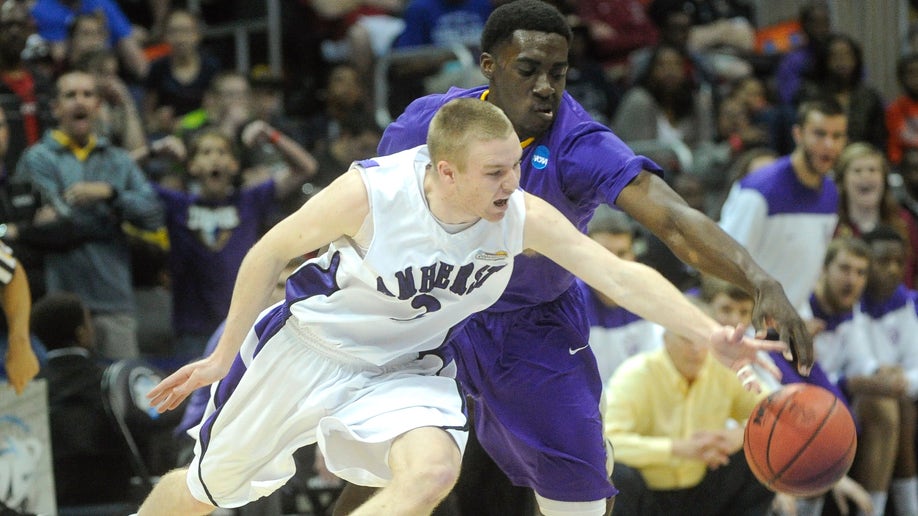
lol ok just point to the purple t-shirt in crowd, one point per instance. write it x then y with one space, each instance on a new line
577 165
207 244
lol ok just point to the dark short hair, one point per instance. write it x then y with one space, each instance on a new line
825 105
534 15
56 317
883 233
609 220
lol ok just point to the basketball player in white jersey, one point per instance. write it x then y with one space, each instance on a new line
417 241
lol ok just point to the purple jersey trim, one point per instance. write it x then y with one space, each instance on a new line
785 194
879 308
832 321
309 280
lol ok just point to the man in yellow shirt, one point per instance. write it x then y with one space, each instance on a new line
671 416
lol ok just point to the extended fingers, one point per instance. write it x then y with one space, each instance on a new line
749 378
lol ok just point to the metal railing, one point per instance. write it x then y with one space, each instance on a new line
240 31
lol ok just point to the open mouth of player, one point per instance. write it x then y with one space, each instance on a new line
500 203
544 111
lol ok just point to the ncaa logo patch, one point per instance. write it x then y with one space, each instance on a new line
540 157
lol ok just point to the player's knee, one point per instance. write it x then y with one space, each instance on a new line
558 508
439 478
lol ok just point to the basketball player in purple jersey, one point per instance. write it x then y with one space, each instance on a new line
526 359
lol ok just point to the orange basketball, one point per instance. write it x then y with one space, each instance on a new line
800 440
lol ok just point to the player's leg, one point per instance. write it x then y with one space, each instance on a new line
532 368
172 496
904 488
425 465
878 418
484 490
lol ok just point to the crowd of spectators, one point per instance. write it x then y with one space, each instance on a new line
136 161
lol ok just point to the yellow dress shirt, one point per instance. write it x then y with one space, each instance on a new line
648 404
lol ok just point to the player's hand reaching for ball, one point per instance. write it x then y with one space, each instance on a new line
738 352
170 392
773 310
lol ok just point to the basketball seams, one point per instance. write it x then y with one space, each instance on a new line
806 444
814 446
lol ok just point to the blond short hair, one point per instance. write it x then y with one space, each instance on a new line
461 122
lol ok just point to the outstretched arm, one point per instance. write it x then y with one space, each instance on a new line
639 289
700 242
338 210
21 362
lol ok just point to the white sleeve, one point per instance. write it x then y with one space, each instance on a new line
743 217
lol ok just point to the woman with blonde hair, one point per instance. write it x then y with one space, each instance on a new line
865 200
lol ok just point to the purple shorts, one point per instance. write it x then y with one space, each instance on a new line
537 390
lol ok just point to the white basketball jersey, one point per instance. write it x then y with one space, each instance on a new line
415 281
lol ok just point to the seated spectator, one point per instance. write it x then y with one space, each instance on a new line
211 227
764 113
815 20
91 463
838 72
724 25
692 464
888 312
735 135
702 39
665 104
616 28
840 346
866 202
53 17
902 113
176 83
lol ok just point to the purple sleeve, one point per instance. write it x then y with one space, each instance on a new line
410 129
600 166
817 377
